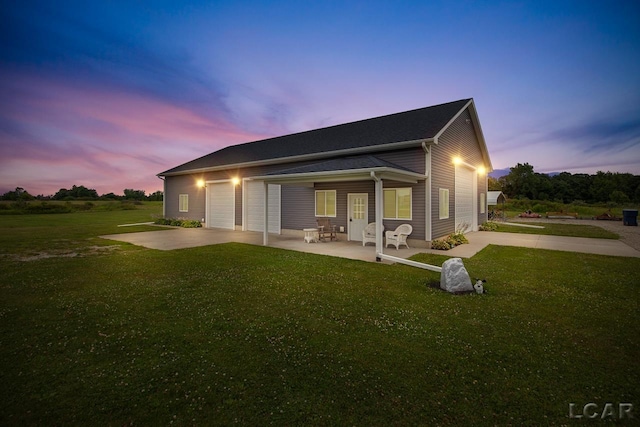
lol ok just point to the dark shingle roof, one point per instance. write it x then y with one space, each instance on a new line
341 164
423 123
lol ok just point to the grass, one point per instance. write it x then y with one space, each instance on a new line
554 229
240 334
63 233
514 207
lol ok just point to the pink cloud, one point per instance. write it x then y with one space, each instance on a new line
58 131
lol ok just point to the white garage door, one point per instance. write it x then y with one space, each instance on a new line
253 205
464 199
221 198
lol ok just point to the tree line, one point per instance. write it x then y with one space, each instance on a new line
603 187
80 192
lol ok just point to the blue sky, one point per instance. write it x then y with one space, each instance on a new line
108 94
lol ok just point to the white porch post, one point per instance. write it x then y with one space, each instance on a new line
379 215
265 239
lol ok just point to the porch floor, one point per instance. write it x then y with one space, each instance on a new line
181 238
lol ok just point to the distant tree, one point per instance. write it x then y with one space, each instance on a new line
19 194
158 196
76 193
494 184
603 187
131 194
618 197
520 182
110 196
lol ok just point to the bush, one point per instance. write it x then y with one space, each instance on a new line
190 223
178 222
46 208
440 244
488 226
458 238
449 242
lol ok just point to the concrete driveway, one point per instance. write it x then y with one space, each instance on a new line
180 238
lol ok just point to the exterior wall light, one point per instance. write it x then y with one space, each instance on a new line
481 170
235 180
457 160
200 183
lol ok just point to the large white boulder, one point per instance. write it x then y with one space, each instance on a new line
454 277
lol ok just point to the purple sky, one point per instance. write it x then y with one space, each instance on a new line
108 94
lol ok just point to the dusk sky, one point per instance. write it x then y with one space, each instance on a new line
108 94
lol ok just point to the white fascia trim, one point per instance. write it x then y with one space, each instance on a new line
468 165
480 136
218 181
324 154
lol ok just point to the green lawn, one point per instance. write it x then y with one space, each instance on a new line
240 334
555 229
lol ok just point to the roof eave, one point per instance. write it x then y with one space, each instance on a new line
363 174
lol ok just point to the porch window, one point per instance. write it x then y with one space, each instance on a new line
326 203
183 205
397 203
483 202
444 203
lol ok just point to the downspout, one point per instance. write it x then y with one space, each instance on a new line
429 202
164 196
379 246
379 215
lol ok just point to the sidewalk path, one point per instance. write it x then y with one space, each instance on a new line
480 239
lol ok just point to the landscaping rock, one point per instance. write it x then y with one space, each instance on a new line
454 277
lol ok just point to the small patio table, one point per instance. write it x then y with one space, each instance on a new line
310 235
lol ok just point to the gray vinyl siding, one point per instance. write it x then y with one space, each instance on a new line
412 158
297 207
459 139
298 203
184 184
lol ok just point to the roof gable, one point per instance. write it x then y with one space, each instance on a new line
420 124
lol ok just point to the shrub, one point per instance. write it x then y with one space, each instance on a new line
440 244
449 242
178 222
488 226
458 238
191 223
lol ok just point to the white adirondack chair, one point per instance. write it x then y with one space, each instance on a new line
398 236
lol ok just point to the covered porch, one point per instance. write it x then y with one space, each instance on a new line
344 170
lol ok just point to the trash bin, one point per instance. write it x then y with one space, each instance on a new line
630 217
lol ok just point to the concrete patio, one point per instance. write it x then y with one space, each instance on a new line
180 238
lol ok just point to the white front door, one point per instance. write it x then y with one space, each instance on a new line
357 215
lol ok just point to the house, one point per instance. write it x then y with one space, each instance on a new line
426 167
